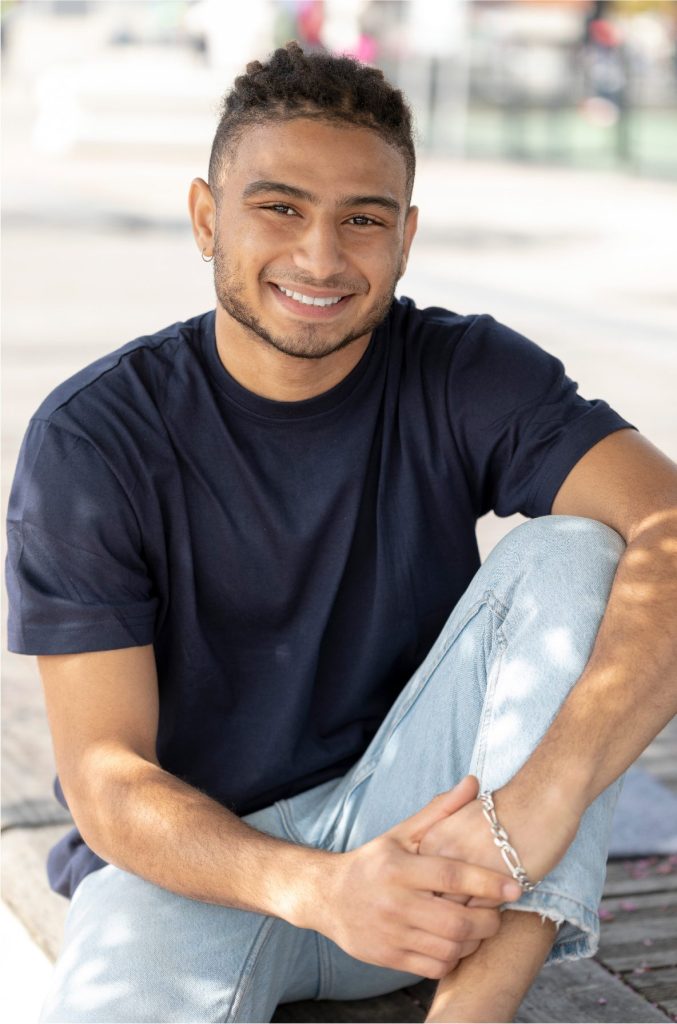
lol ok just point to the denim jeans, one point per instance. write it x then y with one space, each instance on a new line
481 701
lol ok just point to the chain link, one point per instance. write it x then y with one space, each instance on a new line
508 852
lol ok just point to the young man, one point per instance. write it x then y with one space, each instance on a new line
275 673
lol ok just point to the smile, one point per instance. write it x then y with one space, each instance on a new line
311 300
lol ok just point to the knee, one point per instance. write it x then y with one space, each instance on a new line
565 563
567 546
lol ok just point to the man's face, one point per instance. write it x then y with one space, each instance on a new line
312 231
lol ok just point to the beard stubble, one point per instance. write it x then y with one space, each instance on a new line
307 342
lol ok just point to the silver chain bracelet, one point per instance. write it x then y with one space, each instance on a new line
508 852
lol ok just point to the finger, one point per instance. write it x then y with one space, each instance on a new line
425 966
454 923
435 946
444 875
478 901
412 830
468 948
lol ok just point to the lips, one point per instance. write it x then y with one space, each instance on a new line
317 307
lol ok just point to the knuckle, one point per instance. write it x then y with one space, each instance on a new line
388 907
389 871
387 958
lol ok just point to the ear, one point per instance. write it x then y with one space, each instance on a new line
410 225
202 209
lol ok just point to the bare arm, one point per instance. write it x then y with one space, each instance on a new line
628 690
625 482
103 715
376 902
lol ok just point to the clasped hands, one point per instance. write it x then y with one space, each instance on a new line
423 895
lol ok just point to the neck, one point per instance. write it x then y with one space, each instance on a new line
265 371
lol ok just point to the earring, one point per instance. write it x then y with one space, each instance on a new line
207 259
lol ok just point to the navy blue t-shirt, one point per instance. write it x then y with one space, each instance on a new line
291 562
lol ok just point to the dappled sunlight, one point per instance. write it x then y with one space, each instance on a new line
637 592
573 524
390 751
466 644
89 971
518 678
89 991
506 729
116 932
559 646
638 556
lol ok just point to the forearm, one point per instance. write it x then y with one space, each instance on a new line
147 821
628 690
621 701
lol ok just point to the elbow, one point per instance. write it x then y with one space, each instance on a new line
99 793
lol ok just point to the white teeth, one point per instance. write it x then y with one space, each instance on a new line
309 300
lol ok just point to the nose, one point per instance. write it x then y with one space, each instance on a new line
319 252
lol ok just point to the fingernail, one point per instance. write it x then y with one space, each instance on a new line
511 891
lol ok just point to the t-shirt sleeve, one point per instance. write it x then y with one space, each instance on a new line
518 420
76 576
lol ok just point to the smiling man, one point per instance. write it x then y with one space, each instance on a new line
313 749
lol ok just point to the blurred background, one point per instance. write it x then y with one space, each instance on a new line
547 182
586 83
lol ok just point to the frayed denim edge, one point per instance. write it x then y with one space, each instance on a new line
563 911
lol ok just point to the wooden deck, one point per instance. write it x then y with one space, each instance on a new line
633 977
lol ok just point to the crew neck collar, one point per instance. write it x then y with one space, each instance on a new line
269 408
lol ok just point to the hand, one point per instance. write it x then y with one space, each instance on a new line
379 904
540 829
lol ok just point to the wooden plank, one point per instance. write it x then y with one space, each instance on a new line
582 991
579 993
620 880
666 978
644 905
632 933
658 987
622 959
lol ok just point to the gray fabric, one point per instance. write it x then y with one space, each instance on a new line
645 820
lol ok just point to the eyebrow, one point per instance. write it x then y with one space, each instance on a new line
255 188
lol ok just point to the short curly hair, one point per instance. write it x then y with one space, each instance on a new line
295 84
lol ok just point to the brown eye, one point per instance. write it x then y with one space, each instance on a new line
281 208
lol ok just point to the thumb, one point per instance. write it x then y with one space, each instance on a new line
412 830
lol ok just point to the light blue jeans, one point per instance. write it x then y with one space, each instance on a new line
488 690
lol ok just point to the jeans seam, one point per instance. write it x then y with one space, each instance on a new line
287 823
487 713
324 968
404 711
247 973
